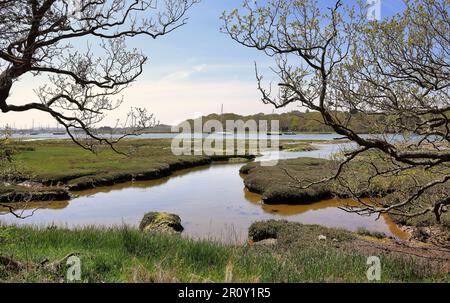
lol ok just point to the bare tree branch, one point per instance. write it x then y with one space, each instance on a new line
338 63
37 38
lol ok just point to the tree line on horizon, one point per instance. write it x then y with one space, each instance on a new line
309 121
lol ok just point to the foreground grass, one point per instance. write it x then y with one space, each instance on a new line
127 255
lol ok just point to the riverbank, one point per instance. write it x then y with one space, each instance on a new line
285 183
53 168
294 253
11 193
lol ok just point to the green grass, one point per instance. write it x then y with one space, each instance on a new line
127 255
63 160
295 146
374 234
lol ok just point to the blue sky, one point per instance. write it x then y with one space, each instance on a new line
190 72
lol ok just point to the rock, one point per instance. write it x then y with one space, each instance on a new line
161 222
266 242
262 230
322 237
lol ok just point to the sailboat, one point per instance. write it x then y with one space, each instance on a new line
33 132
58 133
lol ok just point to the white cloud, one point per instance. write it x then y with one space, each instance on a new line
200 68
184 74
178 75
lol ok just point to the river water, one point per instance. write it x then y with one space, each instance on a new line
300 136
211 200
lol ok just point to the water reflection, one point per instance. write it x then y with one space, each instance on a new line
35 206
329 213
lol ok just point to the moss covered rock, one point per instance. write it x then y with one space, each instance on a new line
161 222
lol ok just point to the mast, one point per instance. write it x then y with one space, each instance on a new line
221 117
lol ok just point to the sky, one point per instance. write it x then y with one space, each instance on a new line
190 72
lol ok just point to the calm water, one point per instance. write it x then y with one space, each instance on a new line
45 136
211 201
251 136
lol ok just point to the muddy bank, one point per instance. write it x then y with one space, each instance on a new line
88 182
15 193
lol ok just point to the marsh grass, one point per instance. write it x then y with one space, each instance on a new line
296 146
374 234
62 160
123 254
284 182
